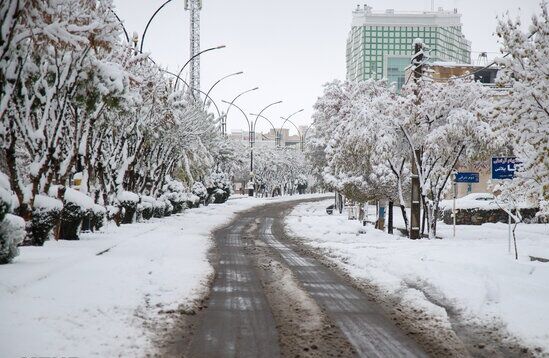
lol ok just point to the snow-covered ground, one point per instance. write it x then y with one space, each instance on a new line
75 298
474 272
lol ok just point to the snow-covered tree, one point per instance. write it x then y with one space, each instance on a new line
449 124
78 102
522 115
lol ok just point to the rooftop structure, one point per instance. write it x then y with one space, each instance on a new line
380 44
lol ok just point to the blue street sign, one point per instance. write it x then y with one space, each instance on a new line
464 177
504 167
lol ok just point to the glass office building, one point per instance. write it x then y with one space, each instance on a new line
380 45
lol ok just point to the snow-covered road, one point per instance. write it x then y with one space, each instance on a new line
472 274
101 296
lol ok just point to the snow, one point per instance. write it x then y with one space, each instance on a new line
478 201
128 196
46 202
99 209
473 272
12 232
95 297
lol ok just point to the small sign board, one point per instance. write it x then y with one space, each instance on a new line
504 167
466 177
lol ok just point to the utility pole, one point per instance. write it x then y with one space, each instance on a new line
194 7
415 207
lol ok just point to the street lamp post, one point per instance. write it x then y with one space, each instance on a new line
304 136
207 96
268 120
297 129
250 139
221 79
224 119
261 112
149 22
195 56
285 120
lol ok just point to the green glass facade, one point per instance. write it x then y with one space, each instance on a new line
384 51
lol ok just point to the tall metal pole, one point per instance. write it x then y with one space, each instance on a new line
217 82
194 7
279 136
149 23
415 207
192 58
224 120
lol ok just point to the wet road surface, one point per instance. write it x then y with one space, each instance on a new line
239 321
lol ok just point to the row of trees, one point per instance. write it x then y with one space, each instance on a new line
78 102
366 135
276 171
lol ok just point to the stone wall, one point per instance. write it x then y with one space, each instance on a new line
482 216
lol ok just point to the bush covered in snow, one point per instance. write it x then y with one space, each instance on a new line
200 191
177 194
128 201
12 228
99 216
145 208
76 207
45 216
12 233
218 187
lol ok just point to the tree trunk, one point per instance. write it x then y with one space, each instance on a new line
390 218
404 216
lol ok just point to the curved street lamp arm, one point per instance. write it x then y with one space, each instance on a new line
264 109
195 56
267 119
292 123
288 118
121 24
234 99
231 104
221 79
149 22
307 130
198 90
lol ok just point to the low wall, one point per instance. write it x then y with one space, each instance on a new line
482 216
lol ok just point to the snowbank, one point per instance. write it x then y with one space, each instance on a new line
473 272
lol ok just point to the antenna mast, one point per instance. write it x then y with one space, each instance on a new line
194 7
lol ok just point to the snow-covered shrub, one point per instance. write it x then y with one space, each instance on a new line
191 200
128 201
12 228
12 233
175 191
145 208
5 196
168 207
46 214
159 207
200 190
219 187
113 213
99 216
76 206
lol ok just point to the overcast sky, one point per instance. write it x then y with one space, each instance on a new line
288 48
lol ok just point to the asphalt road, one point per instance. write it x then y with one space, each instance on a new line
243 318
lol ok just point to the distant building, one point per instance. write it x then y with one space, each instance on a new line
269 138
380 43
